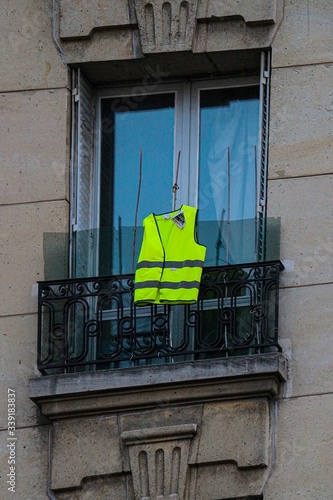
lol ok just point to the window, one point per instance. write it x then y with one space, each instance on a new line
208 136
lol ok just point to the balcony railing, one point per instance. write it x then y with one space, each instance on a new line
89 324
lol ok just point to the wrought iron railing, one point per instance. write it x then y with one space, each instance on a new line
88 324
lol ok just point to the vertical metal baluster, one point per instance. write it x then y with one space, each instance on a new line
225 303
258 308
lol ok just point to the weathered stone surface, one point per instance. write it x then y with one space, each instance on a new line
248 447
159 460
24 228
97 31
34 145
115 487
79 18
26 33
102 46
83 448
225 481
305 207
232 35
118 390
146 443
18 345
304 459
254 12
305 35
301 121
31 469
172 416
166 26
158 432
301 311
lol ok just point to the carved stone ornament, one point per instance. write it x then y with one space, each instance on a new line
166 26
159 460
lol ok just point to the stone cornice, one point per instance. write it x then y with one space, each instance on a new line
80 22
100 30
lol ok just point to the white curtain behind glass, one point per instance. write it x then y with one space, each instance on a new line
227 191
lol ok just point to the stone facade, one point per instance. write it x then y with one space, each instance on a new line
253 428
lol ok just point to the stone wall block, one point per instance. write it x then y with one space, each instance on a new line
18 345
305 207
232 35
254 12
108 45
248 446
225 481
306 35
35 146
79 19
302 309
25 247
114 487
83 448
28 52
237 25
31 468
301 121
304 458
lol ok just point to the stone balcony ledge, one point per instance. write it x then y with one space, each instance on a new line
108 391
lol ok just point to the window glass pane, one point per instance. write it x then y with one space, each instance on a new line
131 124
228 174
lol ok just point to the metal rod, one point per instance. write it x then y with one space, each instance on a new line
257 204
120 244
219 242
175 187
228 220
136 210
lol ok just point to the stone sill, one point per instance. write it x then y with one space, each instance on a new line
91 393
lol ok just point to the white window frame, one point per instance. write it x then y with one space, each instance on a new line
186 140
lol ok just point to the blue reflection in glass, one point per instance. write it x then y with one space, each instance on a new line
147 125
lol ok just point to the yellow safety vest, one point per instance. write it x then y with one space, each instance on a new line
170 262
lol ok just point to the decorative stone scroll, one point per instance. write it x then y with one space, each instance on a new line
159 460
166 26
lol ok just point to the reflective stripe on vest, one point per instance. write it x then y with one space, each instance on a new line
170 262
